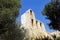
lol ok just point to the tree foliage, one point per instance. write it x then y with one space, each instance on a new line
52 11
9 11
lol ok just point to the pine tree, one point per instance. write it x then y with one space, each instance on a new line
52 11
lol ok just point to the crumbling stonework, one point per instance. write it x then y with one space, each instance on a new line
33 28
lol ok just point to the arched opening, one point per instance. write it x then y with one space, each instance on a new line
32 21
31 12
40 24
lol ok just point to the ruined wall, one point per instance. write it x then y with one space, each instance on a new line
28 20
33 28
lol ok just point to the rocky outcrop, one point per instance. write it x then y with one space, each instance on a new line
34 29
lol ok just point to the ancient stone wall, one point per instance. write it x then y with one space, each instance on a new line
33 28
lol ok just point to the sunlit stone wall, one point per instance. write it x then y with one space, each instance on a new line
33 28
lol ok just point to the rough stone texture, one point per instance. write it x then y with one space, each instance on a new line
33 28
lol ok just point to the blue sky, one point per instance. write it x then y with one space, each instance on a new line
37 6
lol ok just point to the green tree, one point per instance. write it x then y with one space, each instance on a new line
9 11
52 11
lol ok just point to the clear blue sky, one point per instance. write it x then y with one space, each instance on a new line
37 6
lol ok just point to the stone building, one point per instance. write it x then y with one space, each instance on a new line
33 28
28 20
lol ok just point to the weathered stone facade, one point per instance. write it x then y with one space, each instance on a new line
33 28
